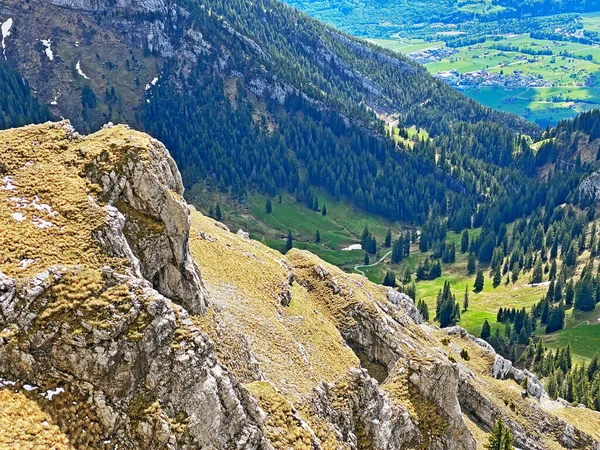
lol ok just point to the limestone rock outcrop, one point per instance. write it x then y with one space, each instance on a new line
149 191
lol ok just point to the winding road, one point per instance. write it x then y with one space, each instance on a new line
360 266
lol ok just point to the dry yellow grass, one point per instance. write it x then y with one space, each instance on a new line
46 216
283 427
297 347
23 425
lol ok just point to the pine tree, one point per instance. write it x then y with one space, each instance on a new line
571 256
514 276
289 244
466 299
486 330
218 214
388 239
464 241
423 309
570 292
479 281
268 206
318 237
585 295
397 251
500 438
373 245
366 259
552 387
407 275
497 279
538 274
324 210
553 269
366 236
390 279
471 263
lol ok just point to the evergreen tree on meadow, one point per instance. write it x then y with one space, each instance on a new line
317 237
423 309
448 309
486 330
366 259
388 239
397 251
464 241
538 275
570 292
324 210
389 279
556 318
479 281
466 299
497 279
218 214
268 206
585 295
289 244
366 235
407 275
471 263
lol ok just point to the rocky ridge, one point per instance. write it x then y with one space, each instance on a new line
111 331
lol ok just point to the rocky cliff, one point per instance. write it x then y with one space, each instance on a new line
128 320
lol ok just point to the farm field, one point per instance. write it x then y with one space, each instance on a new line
542 80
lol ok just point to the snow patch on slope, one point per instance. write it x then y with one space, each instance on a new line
48 44
5 27
152 83
79 71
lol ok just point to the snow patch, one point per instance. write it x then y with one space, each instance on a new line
352 247
29 387
18 217
50 393
41 223
25 263
7 184
6 26
22 203
152 83
545 283
79 71
54 102
48 43
4 382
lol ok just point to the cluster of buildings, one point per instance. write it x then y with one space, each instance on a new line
480 78
433 54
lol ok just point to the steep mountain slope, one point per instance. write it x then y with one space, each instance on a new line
255 95
111 340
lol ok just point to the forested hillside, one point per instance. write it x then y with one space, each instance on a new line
18 106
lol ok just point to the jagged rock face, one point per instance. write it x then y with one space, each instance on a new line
149 353
366 407
95 326
149 191
590 187
105 5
